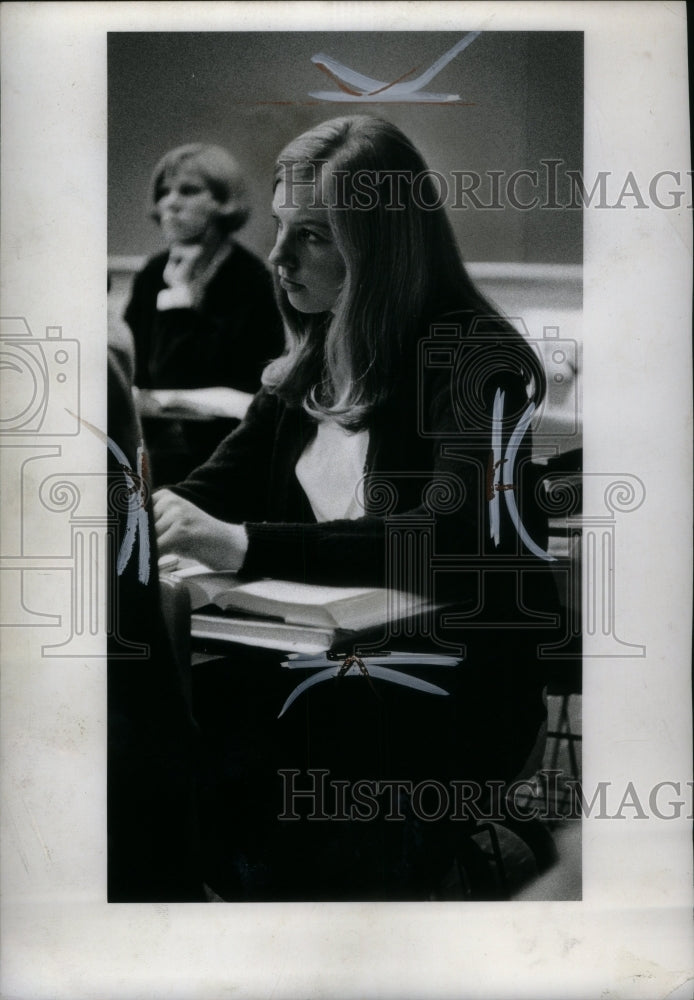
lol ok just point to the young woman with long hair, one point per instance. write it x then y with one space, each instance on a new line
387 447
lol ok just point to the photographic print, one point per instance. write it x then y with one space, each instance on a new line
430 466
335 477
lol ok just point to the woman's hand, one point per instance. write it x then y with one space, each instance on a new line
184 529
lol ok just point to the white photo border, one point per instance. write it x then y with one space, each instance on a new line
630 936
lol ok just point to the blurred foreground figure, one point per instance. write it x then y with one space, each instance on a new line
152 740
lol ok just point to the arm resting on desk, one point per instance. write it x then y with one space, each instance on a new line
187 530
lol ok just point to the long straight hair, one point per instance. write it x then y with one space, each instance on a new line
403 270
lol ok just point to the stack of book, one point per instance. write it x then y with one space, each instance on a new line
288 616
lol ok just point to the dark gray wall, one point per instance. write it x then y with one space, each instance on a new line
249 92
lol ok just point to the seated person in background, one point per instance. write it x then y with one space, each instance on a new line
203 314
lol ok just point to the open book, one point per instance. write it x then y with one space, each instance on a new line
292 616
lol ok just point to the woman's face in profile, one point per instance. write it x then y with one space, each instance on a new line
186 207
310 268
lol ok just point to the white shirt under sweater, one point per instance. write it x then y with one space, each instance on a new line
331 469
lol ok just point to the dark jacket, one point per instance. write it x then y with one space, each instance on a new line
427 527
426 491
226 341
428 470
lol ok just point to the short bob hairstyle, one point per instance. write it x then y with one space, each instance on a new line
403 270
220 172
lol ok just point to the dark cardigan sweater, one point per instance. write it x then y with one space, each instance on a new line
224 341
227 340
427 467
426 494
